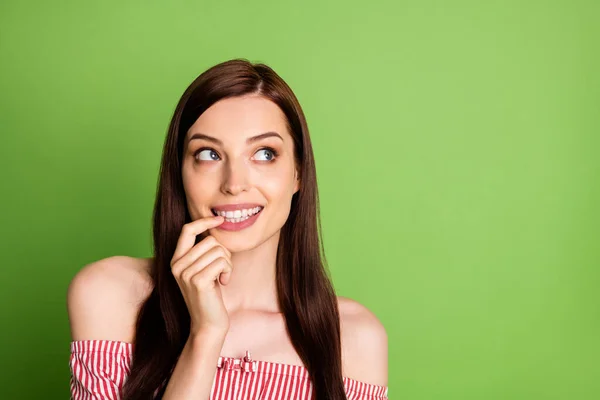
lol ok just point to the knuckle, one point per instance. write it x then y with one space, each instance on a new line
221 250
197 279
227 261
186 227
185 276
222 261
210 240
226 251
175 268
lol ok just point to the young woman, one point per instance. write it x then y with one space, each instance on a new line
236 302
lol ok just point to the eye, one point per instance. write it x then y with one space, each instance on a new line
210 155
270 153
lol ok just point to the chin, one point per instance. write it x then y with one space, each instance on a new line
233 241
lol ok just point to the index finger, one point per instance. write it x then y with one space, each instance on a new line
187 238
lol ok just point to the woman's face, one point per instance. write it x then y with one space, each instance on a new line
223 166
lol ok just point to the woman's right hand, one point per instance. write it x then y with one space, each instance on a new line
197 269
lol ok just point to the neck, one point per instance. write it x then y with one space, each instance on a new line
252 282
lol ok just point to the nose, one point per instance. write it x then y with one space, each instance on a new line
235 180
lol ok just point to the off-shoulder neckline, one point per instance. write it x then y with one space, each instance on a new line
263 366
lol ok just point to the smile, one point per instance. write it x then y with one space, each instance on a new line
238 216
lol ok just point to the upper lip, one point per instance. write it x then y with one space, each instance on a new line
233 207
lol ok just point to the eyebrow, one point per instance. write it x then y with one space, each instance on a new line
248 141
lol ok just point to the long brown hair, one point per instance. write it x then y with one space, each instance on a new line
305 293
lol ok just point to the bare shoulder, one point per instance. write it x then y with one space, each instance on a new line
103 298
364 343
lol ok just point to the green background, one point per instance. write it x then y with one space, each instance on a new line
457 155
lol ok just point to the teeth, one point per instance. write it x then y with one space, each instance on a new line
239 215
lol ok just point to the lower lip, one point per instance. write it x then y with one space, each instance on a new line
236 226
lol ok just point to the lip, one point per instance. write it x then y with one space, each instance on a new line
237 226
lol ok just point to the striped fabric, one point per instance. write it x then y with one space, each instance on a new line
100 367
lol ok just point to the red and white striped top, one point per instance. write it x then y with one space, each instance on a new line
99 369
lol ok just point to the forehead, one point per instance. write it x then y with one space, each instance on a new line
236 118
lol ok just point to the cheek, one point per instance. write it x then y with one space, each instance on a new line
276 184
278 192
275 191
198 189
195 180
